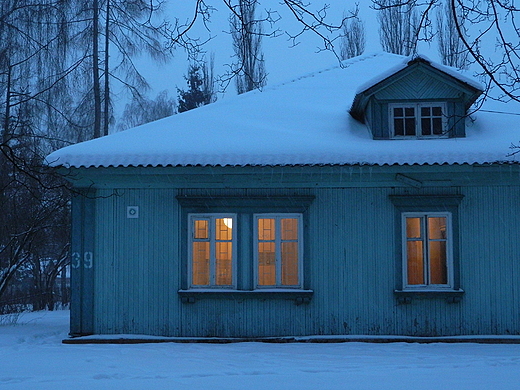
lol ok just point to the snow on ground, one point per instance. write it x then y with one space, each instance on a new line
33 357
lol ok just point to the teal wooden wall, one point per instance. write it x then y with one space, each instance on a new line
350 259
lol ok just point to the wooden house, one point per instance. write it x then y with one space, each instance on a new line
366 199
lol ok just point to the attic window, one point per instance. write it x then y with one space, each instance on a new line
418 120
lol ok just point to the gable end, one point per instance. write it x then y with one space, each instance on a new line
419 84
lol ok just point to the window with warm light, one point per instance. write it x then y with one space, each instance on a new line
212 250
427 250
418 120
278 250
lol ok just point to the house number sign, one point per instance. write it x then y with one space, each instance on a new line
88 260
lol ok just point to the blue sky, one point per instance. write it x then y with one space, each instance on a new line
283 60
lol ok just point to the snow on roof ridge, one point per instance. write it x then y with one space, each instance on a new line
342 64
453 72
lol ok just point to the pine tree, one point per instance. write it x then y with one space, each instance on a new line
200 87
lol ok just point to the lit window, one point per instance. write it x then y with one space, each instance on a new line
426 251
278 250
419 120
212 248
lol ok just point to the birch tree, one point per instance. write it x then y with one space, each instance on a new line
142 110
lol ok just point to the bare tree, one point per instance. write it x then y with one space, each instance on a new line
142 110
353 38
35 70
398 26
488 31
311 19
119 29
451 48
494 20
246 31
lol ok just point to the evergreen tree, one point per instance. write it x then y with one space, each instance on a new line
200 87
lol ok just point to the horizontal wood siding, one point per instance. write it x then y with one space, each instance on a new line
350 264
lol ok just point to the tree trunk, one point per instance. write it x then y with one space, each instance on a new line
95 69
5 136
106 116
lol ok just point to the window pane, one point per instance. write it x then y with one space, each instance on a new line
289 229
437 228
289 263
224 228
426 126
413 227
437 126
200 264
266 264
398 126
415 262
266 229
437 111
425 111
201 229
438 265
224 263
409 111
410 126
398 111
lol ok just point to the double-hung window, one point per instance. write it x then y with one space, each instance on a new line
418 120
427 250
278 250
212 248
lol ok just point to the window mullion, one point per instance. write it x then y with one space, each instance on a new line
212 252
418 131
278 250
426 254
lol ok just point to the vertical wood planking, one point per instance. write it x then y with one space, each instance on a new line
350 262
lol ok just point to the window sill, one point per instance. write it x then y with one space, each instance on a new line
299 296
451 296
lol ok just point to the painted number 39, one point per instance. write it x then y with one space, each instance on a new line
88 259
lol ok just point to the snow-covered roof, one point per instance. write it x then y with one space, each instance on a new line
305 121
389 71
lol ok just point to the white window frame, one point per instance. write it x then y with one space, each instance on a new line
449 251
211 217
418 130
278 217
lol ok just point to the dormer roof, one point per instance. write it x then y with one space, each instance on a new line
418 78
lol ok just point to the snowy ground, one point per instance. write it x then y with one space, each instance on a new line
33 357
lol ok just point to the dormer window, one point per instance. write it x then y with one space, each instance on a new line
421 101
418 120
